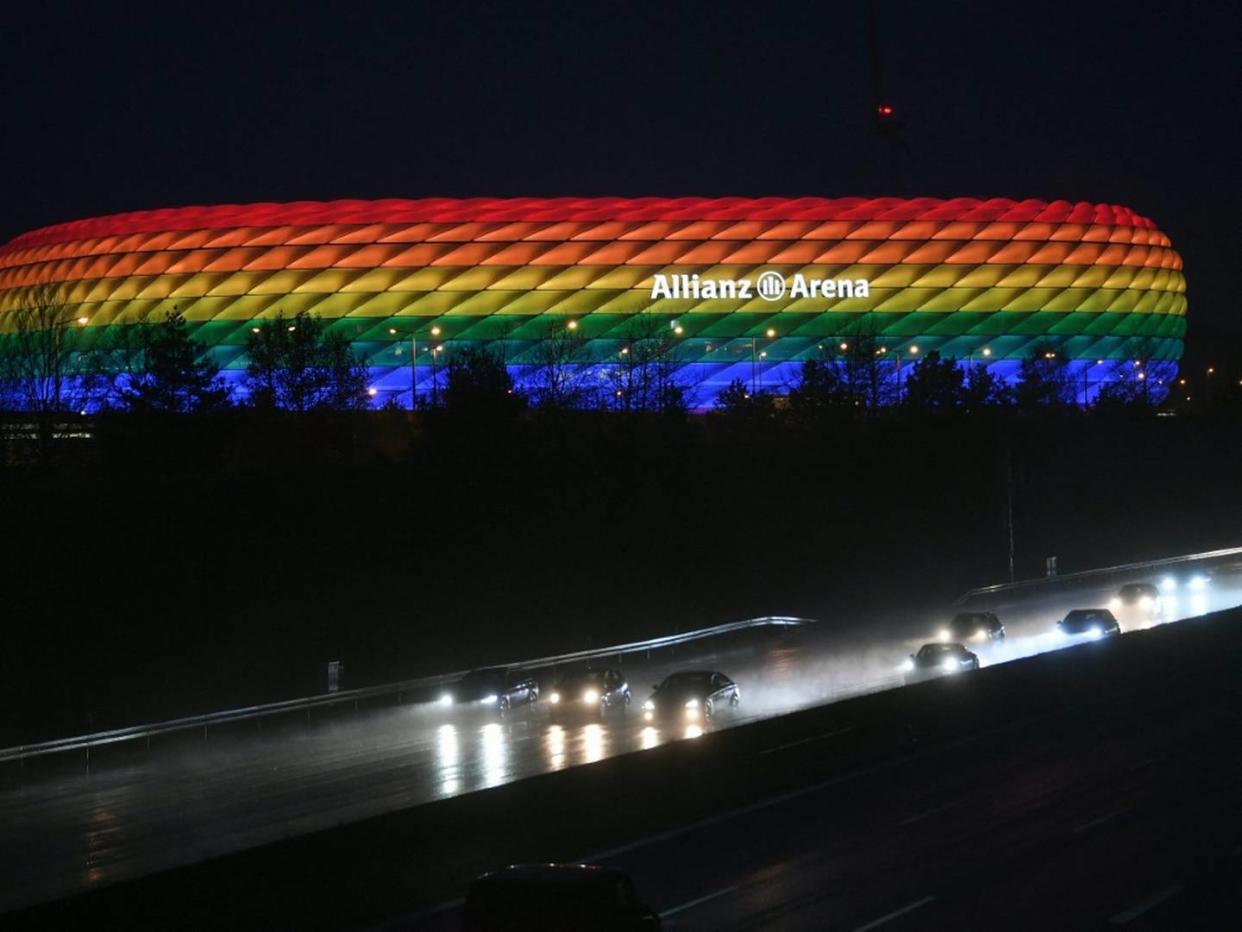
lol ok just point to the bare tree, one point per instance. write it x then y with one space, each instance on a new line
870 375
643 374
559 381
44 372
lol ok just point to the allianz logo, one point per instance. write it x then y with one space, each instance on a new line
770 285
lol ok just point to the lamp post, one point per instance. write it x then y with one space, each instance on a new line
769 333
435 332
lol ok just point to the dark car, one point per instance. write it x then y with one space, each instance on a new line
933 660
693 695
973 626
1089 622
1138 600
591 692
555 898
492 688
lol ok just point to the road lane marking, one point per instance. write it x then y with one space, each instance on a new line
1095 823
896 913
891 763
1138 909
928 813
697 902
793 744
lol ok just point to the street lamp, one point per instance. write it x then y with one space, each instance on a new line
435 332
769 333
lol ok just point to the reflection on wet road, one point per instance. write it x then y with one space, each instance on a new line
81 830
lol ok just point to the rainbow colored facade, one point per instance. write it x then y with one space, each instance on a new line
747 288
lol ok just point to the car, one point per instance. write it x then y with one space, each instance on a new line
972 626
593 692
1141 600
693 695
1196 582
939 659
1088 622
556 898
496 688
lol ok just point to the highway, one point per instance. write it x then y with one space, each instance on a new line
68 830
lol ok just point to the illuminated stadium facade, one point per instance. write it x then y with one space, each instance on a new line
737 288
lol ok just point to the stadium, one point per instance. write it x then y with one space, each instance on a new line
731 288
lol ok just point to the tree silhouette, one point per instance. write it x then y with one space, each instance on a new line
297 364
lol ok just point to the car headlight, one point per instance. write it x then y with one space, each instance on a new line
649 706
949 665
489 700
554 697
1168 584
1094 631
446 699
1146 602
1061 632
692 704
942 634
590 696
1114 603
907 666
1198 582
980 635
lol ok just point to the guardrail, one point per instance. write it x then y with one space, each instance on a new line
1102 571
205 721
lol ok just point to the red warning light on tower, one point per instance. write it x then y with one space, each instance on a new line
884 110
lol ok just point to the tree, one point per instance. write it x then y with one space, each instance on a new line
935 384
42 369
643 375
741 406
558 382
819 391
983 389
1043 381
870 375
299 365
173 374
479 387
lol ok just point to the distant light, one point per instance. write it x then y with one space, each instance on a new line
987 351
625 350
1050 355
845 346
678 330
573 325
254 329
1142 375
372 392
1137 363
1211 371
435 331
1181 381
771 332
763 355
914 351
392 329
83 321
1099 362
884 110
292 328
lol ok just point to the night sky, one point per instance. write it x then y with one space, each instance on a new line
109 107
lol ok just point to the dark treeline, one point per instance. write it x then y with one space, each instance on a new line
176 552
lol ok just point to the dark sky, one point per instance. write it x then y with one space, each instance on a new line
112 107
